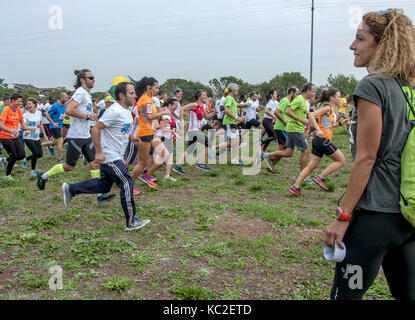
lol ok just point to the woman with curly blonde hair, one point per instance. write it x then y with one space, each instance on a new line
368 220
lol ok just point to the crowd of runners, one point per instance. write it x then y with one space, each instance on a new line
140 125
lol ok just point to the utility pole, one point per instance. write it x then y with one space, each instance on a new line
312 40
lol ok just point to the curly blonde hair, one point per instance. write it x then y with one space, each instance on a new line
395 35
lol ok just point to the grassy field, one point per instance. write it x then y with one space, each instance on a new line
217 235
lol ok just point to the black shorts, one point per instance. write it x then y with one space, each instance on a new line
78 146
47 131
147 138
56 133
66 125
281 136
252 123
196 136
322 146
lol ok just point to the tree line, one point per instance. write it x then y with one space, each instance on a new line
215 87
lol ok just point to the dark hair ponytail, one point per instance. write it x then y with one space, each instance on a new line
198 94
327 93
169 102
269 94
141 86
79 75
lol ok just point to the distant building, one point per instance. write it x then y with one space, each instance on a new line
20 87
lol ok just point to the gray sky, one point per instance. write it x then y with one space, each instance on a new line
190 39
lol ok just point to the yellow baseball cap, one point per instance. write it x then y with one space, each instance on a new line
109 99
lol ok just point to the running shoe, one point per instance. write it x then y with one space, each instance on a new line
179 170
295 191
148 181
308 180
40 182
136 192
269 163
273 172
67 196
62 160
236 163
137 224
8 178
320 182
51 151
169 178
203 167
105 197
153 178
33 173
4 163
24 164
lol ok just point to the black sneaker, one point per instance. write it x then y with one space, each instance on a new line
137 224
40 182
272 172
105 197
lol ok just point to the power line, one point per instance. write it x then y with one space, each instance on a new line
153 18
151 26
114 44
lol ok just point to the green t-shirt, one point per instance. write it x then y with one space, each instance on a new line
299 107
284 104
233 106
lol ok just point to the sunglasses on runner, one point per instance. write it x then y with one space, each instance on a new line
90 78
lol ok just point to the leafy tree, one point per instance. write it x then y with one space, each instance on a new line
57 91
346 84
189 88
282 82
219 85
3 84
98 95
29 93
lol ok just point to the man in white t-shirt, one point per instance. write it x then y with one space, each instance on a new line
79 108
108 137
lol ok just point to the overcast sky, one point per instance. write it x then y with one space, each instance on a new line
191 39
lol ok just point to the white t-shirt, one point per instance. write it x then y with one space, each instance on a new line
221 106
273 105
44 107
113 138
156 102
80 128
33 120
251 109
176 113
101 105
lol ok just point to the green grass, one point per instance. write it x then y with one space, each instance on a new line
213 235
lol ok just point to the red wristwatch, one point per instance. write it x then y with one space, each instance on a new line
341 216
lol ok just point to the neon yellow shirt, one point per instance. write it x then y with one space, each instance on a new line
342 107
